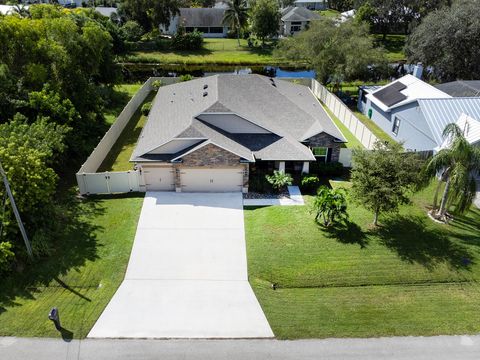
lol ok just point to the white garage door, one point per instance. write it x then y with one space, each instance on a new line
159 178
212 180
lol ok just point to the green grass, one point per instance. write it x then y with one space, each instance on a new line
410 276
79 278
215 51
87 263
330 13
119 156
352 141
394 45
374 128
122 93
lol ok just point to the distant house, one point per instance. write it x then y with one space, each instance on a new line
461 88
296 19
312 4
209 21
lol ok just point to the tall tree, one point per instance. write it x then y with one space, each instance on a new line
150 13
336 51
457 165
265 19
383 178
448 39
236 16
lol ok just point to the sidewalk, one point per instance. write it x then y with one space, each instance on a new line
395 348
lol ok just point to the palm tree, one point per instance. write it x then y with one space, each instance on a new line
457 165
331 205
236 16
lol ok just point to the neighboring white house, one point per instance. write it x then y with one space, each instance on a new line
296 19
208 21
312 4
414 112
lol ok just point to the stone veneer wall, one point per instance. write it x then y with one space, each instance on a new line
325 140
211 156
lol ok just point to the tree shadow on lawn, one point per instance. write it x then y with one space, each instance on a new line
414 241
346 232
75 244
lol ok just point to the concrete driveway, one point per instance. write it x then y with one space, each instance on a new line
187 274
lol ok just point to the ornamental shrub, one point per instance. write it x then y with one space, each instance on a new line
146 108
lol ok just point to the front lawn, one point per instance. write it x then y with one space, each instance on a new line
215 51
410 276
81 275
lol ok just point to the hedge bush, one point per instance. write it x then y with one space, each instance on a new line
146 108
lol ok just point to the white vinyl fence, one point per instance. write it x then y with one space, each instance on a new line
344 114
91 182
345 157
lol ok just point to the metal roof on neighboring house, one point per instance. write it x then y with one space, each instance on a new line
461 88
287 110
299 14
201 17
440 112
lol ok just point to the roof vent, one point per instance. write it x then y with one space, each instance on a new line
273 84
205 93
205 86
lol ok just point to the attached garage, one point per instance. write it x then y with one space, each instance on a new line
158 178
211 179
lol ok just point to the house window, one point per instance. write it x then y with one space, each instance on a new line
295 26
320 153
216 30
396 125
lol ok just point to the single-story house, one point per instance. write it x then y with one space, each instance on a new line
461 88
312 4
296 19
414 112
210 134
209 21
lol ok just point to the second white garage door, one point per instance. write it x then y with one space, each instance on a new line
212 180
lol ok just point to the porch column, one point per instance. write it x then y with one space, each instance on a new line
306 167
281 166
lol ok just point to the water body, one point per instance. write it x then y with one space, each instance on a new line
140 72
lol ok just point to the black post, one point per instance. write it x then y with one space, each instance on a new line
55 317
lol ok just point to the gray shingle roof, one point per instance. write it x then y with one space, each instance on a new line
461 88
201 17
440 112
288 110
299 14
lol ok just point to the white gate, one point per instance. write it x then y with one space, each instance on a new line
108 182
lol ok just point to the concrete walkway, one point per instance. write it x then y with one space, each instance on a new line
294 198
395 348
187 274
